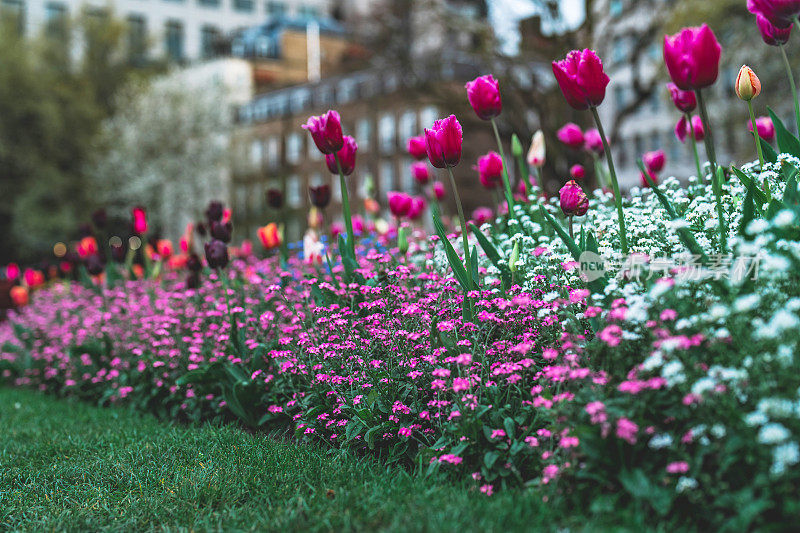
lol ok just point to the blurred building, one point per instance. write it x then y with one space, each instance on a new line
629 39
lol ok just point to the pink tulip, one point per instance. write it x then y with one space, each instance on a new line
417 208
139 220
326 130
12 271
685 101
490 170
399 203
483 94
682 129
571 135
771 34
347 157
594 143
581 78
443 142
766 129
573 200
358 224
651 175
421 172
577 172
416 147
438 190
692 57
481 216
779 13
655 161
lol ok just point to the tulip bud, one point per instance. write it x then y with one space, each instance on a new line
748 86
320 195
347 157
571 135
216 254
655 161
275 198
94 264
420 172
481 216
512 261
766 129
399 203
516 146
490 170
483 94
402 239
221 232
443 142
19 295
573 200
416 147
139 220
594 143
536 153
577 172
438 190
214 211
193 263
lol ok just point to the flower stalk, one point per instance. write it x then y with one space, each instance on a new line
623 237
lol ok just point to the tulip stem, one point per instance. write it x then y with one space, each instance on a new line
755 133
463 221
789 73
348 220
623 237
571 232
506 182
709 139
694 146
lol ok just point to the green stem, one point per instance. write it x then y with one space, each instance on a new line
755 133
463 221
623 237
709 139
788 67
571 233
718 179
694 146
524 175
506 182
348 220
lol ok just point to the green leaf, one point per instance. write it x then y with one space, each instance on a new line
493 254
758 195
769 153
562 233
452 257
787 143
474 266
748 211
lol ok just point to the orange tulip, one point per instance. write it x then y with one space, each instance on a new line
19 295
269 236
164 248
87 246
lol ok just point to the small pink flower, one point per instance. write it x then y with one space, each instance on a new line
678 467
626 430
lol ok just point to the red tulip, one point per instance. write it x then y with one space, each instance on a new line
326 130
655 161
443 142
771 34
685 101
483 94
139 220
347 157
416 147
399 203
86 247
594 143
571 135
581 78
766 129
421 172
490 170
692 57
780 13
573 200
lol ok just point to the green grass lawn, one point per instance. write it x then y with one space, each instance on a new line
69 466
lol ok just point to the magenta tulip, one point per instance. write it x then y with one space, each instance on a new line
490 170
347 157
651 175
780 13
765 127
594 143
399 203
416 147
581 78
483 94
692 57
571 135
481 216
655 161
421 172
682 129
685 101
574 201
577 172
771 34
417 208
326 130
443 142
438 190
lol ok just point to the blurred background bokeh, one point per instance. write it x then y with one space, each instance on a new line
171 103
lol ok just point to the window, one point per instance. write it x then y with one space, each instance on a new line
655 141
408 125
310 12
294 148
615 8
427 116
174 40
256 153
294 196
619 97
386 133
363 133
55 14
209 3
209 37
137 38
408 182
387 177
619 50
655 100
12 12
276 8
346 91
273 152
243 5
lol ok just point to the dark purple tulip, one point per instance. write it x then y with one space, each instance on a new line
771 34
216 254
581 78
118 253
685 101
193 263
347 157
275 198
320 195
214 211
192 280
94 264
221 231
692 57
780 13
326 130
483 94
100 218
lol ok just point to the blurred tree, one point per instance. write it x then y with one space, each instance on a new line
55 90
